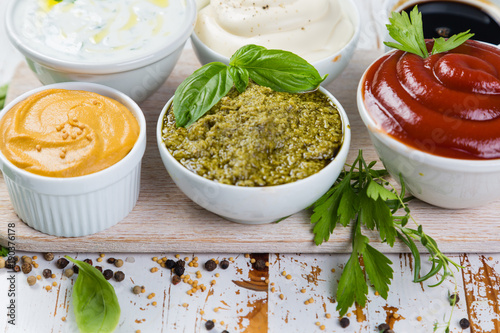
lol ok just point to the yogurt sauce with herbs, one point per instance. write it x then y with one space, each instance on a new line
96 31
312 29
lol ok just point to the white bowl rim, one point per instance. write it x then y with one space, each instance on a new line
357 31
85 86
104 67
344 149
450 163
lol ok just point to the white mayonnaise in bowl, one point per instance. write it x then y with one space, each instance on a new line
129 45
324 32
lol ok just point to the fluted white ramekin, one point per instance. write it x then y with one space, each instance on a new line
77 206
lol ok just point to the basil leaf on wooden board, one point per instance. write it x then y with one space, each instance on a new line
200 91
94 300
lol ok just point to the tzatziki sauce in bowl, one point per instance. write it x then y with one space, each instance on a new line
131 45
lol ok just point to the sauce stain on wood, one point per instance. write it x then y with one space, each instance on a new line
481 294
257 317
313 277
392 315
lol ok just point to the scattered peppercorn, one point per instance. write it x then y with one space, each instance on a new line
169 264
209 324
10 263
99 268
119 276
179 270
49 256
2 262
225 331
26 260
464 323
136 290
224 264
16 259
47 273
344 322
111 260
260 265
62 263
454 299
17 268
389 331
384 327
210 265
88 261
118 263
180 263
26 268
176 279
76 269
31 280
69 272
108 274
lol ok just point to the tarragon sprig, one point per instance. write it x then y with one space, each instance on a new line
409 32
361 196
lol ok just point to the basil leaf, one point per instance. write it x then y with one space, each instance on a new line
277 69
200 91
240 78
94 300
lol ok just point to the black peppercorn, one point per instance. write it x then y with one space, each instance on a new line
384 327
119 276
464 323
108 274
10 263
111 260
26 268
47 273
344 322
170 264
179 270
210 265
225 331
75 269
88 261
49 256
180 263
175 280
16 259
209 325
99 268
224 264
17 268
260 265
454 299
389 331
62 263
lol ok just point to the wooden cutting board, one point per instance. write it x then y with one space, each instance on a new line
165 220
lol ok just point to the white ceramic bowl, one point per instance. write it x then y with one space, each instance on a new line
255 205
78 206
139 78
334 65
440 181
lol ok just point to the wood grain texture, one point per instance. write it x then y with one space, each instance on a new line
166 220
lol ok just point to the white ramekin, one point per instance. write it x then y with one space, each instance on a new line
255 205
78 206
139 78
333 65
440 181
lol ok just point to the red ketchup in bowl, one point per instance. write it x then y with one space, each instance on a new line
447 104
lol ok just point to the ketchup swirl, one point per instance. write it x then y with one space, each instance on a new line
447 104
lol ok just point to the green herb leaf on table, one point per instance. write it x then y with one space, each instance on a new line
3 95
362 197
279 70
94 300
409 32
4 252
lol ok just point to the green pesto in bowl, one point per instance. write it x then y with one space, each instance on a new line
258 138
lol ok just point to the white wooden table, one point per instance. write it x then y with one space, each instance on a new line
241 300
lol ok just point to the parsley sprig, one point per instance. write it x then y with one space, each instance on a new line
361 196
409 32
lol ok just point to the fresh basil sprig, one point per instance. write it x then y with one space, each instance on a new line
277 69
94 300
